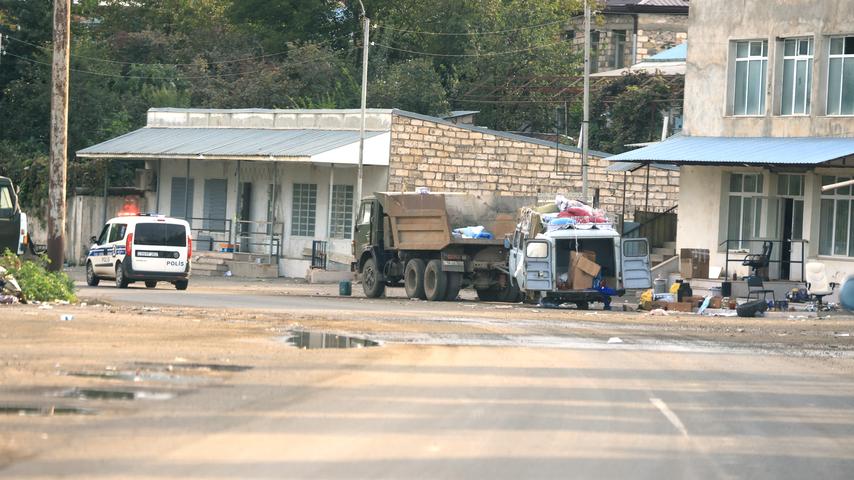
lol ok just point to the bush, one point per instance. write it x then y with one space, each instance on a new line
38 284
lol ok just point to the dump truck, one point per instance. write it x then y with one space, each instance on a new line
14 235
580 262
410 239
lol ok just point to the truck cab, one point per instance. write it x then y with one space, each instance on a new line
548 266
14 235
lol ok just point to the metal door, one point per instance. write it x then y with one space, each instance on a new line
182 197
215 201
634 261
537 266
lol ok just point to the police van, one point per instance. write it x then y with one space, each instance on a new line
144 247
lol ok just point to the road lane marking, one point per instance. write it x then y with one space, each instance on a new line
669 415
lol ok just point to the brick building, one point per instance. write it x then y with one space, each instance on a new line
625 32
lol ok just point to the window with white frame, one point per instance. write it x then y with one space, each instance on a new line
840 76
745 208
341 211
304 210
836 219
618 39
751 64
797 76
792 186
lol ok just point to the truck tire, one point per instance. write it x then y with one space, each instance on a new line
435 281
455 282
371 283
413 278
487 295
510 294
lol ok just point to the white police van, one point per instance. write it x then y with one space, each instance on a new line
143 247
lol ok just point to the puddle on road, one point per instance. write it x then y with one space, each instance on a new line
43 411
103 394
136 376
211 367
317 340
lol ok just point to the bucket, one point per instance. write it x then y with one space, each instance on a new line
659 285
345 288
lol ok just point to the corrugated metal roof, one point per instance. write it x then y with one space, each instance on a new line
150 142
675 54
631 167
679 150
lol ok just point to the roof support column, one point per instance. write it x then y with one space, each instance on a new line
159 177
106 181
187 215
329 204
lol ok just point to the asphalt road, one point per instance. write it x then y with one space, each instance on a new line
475 412
584 410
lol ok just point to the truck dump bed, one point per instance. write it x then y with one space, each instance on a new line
426 221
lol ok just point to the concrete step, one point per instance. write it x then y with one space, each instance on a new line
253 270
219 255
667 252
209 267
656 258
206 260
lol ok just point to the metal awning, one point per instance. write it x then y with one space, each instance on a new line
760 151
225 144
631 167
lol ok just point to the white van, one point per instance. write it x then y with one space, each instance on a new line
145 247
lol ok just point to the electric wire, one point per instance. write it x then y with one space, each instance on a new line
459 34
469 55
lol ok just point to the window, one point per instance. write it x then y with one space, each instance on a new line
840 76
836 221
365 214
619 41
102 238
160 235
342 211
797 76
304 209
751 63
594 52
182 196
745 208
6 204
118 232
792 186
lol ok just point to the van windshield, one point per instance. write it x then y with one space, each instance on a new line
160 234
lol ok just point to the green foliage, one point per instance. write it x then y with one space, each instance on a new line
38 284
412 85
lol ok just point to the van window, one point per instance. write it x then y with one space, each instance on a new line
118 232
161 235
7 207
537 250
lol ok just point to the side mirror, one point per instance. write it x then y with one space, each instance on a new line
93 240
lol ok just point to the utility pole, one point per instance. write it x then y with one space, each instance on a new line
58 133
365 45
585 123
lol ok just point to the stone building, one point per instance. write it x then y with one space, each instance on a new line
272 182
626 32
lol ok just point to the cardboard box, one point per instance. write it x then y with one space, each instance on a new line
681 307
715 302
694 263
583 269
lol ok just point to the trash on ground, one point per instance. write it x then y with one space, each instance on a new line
66 318
752 309
658 312
615 340
842 335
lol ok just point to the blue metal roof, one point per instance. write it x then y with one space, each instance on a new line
222 143
686 150
676 54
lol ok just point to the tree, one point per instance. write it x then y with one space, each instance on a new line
410 85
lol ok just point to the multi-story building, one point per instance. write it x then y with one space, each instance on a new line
625 32
769 124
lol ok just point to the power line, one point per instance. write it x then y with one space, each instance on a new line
175 77
469 55
218 62
493 32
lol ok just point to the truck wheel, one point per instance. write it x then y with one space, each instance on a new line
121 280
435 281
413 279
510 294
150 283
371 283
582 305
487 295
182 284
455 282
91 279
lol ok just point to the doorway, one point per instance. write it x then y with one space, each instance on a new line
786 244
244 214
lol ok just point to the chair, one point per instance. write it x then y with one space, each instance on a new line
818 285
759 260
755 285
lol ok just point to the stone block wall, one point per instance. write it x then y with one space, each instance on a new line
446 157
657 33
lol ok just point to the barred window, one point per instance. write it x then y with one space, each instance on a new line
304 209
342 211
